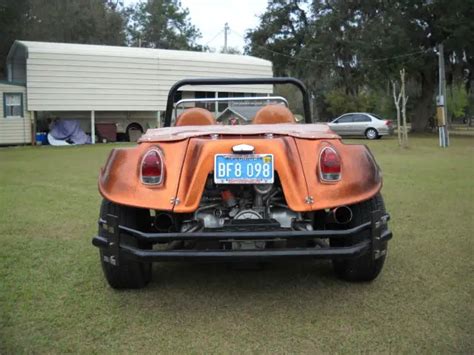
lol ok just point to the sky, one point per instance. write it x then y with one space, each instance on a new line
210 16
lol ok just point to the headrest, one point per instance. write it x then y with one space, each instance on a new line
195 117
273 114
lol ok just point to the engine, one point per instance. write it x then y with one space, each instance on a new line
223 205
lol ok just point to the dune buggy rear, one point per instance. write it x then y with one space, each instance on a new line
268 191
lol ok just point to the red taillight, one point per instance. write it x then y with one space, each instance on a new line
329 165
388 122
152 168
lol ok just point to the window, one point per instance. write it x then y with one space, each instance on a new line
223 105
362 118
13 104
211 106
345 119
377 117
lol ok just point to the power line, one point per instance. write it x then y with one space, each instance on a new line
419 52
213 38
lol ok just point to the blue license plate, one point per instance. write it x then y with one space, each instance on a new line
243 169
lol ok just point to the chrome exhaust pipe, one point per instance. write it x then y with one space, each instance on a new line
164 222
340 215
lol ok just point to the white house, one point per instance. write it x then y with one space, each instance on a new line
125 85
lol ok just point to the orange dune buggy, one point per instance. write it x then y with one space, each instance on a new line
267 190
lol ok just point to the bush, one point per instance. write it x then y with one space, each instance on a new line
379 102
457 100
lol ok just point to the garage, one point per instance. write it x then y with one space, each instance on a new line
123 86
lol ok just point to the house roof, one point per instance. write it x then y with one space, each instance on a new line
245 112
135 52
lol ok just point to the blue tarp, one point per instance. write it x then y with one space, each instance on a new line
69 131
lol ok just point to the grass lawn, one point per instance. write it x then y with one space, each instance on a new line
53 297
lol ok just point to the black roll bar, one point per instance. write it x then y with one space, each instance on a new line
237 81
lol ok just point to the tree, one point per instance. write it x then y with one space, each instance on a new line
78 21
161 24
280 36
340 102
357 46
404 108
408 31
457 100
230 50
12 18
401 99
155 23
396 100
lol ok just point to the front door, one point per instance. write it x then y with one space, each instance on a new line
361 123
342 125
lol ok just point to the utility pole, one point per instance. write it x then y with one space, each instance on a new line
441 110
226 28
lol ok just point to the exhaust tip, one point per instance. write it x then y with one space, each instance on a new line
342 215
164 222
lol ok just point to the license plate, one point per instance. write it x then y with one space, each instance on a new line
243 169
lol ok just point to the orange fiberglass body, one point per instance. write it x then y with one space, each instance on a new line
268 189
188 159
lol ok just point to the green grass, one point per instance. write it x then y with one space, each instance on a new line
53 297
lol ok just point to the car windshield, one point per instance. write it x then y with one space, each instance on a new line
235 110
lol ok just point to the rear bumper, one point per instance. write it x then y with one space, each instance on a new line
115 249
386 130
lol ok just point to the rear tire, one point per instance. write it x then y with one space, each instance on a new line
363 268
128 274
371 133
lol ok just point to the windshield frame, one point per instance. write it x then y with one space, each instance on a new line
279 99
239 81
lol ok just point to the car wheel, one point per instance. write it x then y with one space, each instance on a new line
371 133
128 274
364 268
133 127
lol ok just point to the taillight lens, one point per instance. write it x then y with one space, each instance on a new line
388 122
329 165
152 169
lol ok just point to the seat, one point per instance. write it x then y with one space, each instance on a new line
273 114
195 117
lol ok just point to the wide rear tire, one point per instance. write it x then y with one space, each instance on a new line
364 268
128 274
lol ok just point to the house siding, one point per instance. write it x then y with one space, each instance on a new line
14 130
65 77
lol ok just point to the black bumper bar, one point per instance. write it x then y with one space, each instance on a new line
110 242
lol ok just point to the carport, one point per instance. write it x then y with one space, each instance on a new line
125 85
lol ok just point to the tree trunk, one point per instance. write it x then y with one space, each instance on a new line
424 106
396 101
404 108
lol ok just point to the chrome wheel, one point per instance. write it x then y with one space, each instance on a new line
371 133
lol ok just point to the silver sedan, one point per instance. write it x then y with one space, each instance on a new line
361 124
